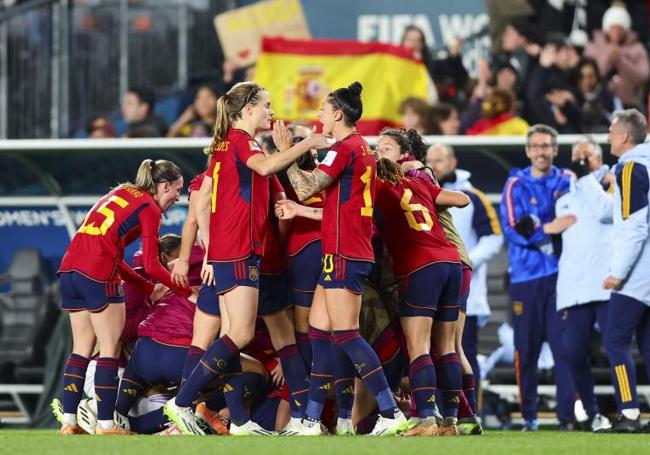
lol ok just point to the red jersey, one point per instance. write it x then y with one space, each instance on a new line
115 221
347 212
239 205
272 261
411 227
195 184
303 231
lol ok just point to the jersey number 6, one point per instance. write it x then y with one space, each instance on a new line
409 209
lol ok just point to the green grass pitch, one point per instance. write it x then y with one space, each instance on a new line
46 442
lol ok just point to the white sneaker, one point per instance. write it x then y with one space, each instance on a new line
309 428
600 423
292 428
391 427
87 415
250 428
184 418
344 427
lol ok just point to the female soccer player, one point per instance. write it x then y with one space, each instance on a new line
90 276
238 205
347 174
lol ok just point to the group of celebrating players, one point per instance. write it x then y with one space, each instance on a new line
251 321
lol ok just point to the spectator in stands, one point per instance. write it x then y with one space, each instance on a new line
444 119
580 297
519 48
498 116
621 57
596 103
137 110
529 222
198 119
549 93
100 128
416 114
478 226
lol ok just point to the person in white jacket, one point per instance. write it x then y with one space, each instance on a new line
629 271
580 296
478 226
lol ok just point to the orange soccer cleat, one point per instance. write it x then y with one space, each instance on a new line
71 429
212 419
116 430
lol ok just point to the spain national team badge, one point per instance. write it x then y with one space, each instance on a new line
253 273
518 307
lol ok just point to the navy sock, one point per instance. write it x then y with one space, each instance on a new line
131 386
194 354
302 339
469 389
74 377
233 391
368 367
322 371
149 423
213 363
449 374
106 387
343 382
423 384
293 368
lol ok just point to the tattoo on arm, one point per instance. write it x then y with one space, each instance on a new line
306 184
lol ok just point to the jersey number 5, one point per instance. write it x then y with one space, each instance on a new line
409 209
109 215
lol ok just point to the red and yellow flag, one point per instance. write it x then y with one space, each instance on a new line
300 73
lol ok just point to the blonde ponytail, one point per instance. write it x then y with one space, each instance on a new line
151 173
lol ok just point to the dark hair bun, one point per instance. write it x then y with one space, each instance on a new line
355 89
417 146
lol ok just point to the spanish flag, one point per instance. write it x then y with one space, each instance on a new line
299 74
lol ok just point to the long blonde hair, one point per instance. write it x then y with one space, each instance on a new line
151 173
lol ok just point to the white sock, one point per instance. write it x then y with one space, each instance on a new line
632 413
106 424
70 419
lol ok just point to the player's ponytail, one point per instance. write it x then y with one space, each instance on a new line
389 171
229 107
151 173
417 146
348 100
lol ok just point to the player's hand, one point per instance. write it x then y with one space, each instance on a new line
194 296
158 291
286 209
207 272
277 376
526 226
580 167
180 270
319 141
410 165
282 137
559 224
612 283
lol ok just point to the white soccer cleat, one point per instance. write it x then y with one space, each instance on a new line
310 428
121 421
391 427
184 418
292 428
250 428
344 427
87 415
600 424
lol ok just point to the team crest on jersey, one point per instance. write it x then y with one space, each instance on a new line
518 307
253 273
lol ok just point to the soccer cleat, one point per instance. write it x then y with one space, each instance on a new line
68 430
184 418
171 430
344 427
211 419
470 426
310 428
423 427
292 428
114 430
391 427
449 427
566 427
250 428
624 425
600 424
121 421
87 415
530 425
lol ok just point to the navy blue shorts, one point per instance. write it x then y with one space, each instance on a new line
432 291
341 273
146 362
79 293
208 301
229 275
304 271
274 294
464 291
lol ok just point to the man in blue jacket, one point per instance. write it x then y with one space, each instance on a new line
629 270
529 223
